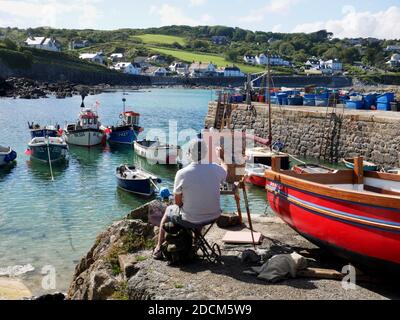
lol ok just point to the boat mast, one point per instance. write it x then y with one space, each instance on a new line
123 102
269 101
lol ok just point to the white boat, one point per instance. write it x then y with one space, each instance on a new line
7 155
86 131
158 153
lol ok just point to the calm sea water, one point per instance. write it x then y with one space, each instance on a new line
55 223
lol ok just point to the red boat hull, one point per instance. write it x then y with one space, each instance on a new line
368 235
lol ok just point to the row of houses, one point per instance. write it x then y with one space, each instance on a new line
144 65
262 59
314 65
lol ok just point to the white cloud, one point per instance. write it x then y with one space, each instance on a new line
170 15
281 7
277 28
197 3
381 24
29 13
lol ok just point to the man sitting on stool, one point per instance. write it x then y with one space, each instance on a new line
196 191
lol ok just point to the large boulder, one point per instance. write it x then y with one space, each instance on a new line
99 273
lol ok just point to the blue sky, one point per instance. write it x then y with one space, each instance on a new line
376 18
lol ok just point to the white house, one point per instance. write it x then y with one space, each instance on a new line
232 72
334 64
394 62
262 59
129 68
313 64
93 57
393 48
179 68
116 57
199 69
49 44
248 58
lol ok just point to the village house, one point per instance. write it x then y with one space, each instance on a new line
116 57
313 64
232 71
128 67
393 48
142 62
43 43
249 59
198 69
79 44
180 68
220 40
160 72
262 59
327 67
394 61
334 64
93 57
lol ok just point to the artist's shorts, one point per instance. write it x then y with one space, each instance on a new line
174 214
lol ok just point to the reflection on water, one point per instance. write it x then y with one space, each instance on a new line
41 170
6 170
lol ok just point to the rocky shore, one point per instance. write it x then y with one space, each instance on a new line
30 89
120 266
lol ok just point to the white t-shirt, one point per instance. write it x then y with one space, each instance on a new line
199 185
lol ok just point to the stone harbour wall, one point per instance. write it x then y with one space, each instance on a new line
312 132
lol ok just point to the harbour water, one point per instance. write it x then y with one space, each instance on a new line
46 223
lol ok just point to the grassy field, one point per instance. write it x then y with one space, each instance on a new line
217 60
161 39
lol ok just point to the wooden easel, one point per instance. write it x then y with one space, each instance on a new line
234 189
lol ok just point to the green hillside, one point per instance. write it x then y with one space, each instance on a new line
161 39
205 58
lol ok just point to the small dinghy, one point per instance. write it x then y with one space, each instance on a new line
368 166
48 149
137 181
255 174
158 153
7 155
312 168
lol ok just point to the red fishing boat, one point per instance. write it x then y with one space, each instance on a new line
355 214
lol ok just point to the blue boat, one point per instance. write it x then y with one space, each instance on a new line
295 100
137 181
7 156
127 130
38 131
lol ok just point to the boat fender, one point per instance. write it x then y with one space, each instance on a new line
121 116
159 180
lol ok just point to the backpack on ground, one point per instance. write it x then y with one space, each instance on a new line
178 245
